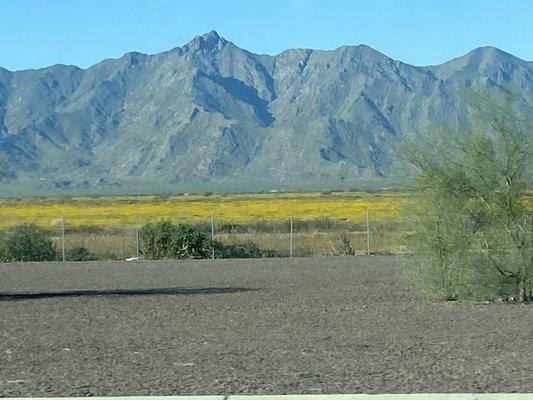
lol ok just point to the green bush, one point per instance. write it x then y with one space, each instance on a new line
472 234
26 243
238 250
275 254
3 247
80 254
166 240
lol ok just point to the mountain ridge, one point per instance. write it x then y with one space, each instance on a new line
214 32
210 114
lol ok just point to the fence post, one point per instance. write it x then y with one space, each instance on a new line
367 233
137 236
63 238
213 235
290 237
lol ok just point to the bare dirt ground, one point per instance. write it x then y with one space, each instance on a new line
304 325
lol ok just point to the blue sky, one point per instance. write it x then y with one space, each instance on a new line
37 33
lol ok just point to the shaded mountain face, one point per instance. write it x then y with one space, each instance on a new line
210 114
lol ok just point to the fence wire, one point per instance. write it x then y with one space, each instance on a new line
296 236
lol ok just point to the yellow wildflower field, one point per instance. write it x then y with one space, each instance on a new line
130 210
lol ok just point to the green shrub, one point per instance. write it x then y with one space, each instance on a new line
472 235
239 250
166 240
275 254
27 243
3 248
80 254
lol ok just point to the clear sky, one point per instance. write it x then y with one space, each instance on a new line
37 33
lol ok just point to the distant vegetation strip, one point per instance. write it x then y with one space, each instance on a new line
130 210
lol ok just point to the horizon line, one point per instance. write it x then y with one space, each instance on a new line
213 33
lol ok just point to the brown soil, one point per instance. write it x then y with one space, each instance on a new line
303 325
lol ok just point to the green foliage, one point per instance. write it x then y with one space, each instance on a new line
3 247
26 243
238 250
80 254
447 261
166 240
472 235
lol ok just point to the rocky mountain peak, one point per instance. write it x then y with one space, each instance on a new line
207 41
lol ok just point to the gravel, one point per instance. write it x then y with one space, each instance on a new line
272 326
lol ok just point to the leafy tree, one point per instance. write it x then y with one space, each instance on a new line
473 232
27 243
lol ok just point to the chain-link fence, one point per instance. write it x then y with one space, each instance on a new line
295 236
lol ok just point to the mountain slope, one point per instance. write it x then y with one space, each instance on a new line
210 114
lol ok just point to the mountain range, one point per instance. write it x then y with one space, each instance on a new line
210 115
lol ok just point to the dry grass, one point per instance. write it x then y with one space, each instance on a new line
323 243
117 244
113 243
105 225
